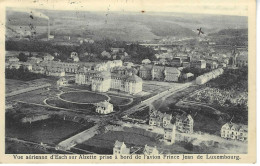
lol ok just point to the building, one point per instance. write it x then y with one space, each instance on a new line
34 60
188 76
27 66
15 65
171 74
184 123
202 79
176 62
234 131
67 67
106 54
75 59
201 64
38 69
73 54
62 82
145 72
242 59
149 150
13 59
117 50
88 40
131 83
159 119
186 64
48 57
169 133
120 148
159 73
104 107
102 81
212 65
222 65
146 61
128 64
56 72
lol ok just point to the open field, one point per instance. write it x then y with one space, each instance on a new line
83 97
19 148
104 143
50 131
36 97
153 88
117 100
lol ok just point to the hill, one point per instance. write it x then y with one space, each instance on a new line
122 25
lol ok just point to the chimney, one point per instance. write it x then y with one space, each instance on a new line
48 33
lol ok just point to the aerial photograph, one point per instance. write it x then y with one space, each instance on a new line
112 83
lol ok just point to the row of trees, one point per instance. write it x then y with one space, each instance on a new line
236 79
135 51
22 74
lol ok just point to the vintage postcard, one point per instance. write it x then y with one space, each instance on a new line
128 81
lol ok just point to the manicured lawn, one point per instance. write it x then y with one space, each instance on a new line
118 100
63 104
84 97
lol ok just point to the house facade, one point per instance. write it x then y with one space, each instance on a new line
62 82
48 58
120 148
234 131
104 107
149 150
56 72
159 119
103 81
170 133
184 123
159 73
201 64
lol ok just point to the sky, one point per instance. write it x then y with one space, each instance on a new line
224 7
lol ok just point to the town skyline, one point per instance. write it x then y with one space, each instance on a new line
89 82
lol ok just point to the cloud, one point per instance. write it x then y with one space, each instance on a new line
31 12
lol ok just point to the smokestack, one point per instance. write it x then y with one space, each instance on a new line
48 33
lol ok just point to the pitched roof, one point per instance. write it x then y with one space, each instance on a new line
118 144
183 116
236 126
103 104
172 70
149 149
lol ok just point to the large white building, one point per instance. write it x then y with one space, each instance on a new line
102 81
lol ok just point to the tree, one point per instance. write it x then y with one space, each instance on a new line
22 57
